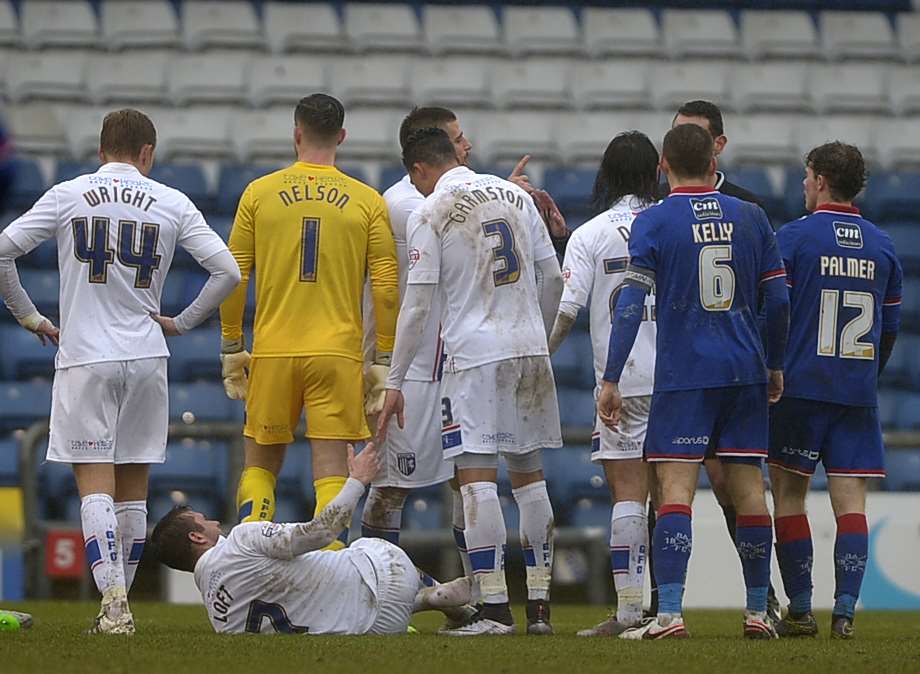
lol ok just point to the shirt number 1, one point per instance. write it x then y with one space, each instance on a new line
309 250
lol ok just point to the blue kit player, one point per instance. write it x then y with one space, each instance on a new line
845 291
707 255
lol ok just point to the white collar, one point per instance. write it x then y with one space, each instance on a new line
118 167
453 175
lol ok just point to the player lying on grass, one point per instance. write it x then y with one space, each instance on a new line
276 578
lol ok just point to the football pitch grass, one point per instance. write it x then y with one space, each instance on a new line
178 640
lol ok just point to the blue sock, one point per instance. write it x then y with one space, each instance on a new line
391 535
795 554
754 539
851 551
672 541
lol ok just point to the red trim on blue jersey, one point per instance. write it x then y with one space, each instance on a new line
891 302
770 275
831 207
694 189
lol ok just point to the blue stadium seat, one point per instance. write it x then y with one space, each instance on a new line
192 465
902 467
23 356
68 170
9 462
160 503
908 414
893 195
173 295
590 513
887 407
232 182
571 475
187 178
576 407
43 256
195 355
908 346
23 403
910 304
898 369
44 289
222 225
906 239
573 362
423 513
207 401
354 171
510 513
294 489
390 175
571 188
28 183
756 179
793 194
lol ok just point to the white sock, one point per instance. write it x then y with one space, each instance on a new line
628 554
536 537
458 522
103 547
132 528
382 516
485 539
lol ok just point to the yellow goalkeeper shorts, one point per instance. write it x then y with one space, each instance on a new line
330 389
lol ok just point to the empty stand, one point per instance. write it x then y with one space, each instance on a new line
534 83
283 79
378 81
857 35
904 90
762 138
23 403
619 32
509 136
383 27
909 35
778 34
452 82
583 137
764 87
230 23
133 24
59 23
677 82
610 85
898 144
194 133
461 29
848 89
9 25
699 32
46 75
294 27
263 134
132 77
541 30
208 78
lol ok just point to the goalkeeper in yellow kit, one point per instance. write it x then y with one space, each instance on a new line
312 234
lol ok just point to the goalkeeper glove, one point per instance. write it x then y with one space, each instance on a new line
234 359
375 379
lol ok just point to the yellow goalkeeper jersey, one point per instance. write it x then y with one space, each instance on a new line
312 234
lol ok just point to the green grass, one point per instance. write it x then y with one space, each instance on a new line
178 640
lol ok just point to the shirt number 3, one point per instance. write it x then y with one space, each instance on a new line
503 252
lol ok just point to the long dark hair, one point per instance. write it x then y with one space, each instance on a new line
629 166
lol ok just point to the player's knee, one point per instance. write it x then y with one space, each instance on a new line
525 469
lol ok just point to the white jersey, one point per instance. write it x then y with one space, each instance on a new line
402 199
479 237
595 265
250 582
116 235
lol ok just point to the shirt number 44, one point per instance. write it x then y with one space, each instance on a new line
91 247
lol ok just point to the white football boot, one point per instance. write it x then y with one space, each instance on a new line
758 626
663 626
480 627
115 615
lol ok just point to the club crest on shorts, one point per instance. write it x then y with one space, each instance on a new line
405 461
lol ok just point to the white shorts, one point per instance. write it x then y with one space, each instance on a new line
114 412
505 407
412 456
628 440
397 585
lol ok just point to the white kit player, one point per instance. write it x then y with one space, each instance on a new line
266 578
116 233
480 244
594 269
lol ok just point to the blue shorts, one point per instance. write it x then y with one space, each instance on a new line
731 421
846 439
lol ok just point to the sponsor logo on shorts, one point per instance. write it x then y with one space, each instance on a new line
707 208
810 454
499 438
276 428
91 446
691 440
849 234
405 461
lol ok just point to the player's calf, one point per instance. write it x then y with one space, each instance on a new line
382 516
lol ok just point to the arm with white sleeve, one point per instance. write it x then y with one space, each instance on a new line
578 279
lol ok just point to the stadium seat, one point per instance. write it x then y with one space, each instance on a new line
510 513
232 181
857 35
204 78
423 513
282 79
390 175
620 32
43 289
37 129
573 361
571 187
864 92
531 84
758 139
192 134
757 180
904 89
378 81
910 303
197 465
583 137
655 125
699 32
451 82
778 34
887 408
906 238
909 35
894 196
9 462
371 135
294 489
160 503
898 145
541 30
9 27
509 136
67 169
36 75
610 85
576 407
299 27
58 23
811 131
28 183
461 29
591 513
194 356
23 355
82 130
231 23
571 475
679 81
764 87
187 178
908 414
129 78
902 467
207 401
383 27
265 134
23 403
906 349
129 24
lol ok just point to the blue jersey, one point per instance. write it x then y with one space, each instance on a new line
845 290
708 253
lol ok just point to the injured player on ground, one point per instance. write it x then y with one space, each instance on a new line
270 577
